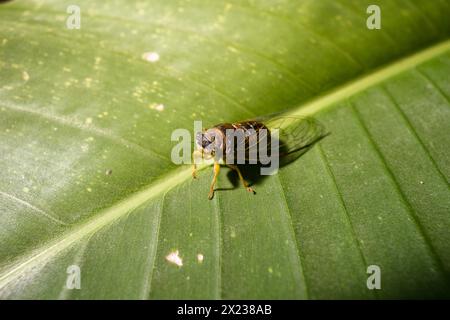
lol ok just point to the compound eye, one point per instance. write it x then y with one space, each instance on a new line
199 137
205 142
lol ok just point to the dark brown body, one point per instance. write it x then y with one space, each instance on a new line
249 128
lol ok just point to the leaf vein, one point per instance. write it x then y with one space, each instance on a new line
412 213
36 209
343 205
76 124
414 133
294 236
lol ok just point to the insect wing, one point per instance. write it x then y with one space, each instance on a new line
295 134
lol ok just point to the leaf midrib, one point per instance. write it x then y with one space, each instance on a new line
167 182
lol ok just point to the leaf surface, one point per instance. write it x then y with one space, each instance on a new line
86 178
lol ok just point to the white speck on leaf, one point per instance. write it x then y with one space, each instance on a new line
157 106
150 56
174 258
25 76
232 49
200 258
88 82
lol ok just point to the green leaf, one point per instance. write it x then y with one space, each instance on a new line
86 175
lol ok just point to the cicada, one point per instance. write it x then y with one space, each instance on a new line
243 141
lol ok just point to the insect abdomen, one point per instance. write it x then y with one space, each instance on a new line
249 129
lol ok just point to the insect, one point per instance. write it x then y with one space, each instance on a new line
295 134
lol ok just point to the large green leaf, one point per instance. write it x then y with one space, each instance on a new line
86 176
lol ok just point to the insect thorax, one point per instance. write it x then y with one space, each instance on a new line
244 135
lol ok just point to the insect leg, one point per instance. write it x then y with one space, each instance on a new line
245 183
216 173
196 154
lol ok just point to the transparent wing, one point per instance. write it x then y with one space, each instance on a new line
295 134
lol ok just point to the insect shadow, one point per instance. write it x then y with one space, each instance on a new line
252 172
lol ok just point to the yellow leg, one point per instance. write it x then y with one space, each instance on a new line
195 155
194 170
245 183
216 173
